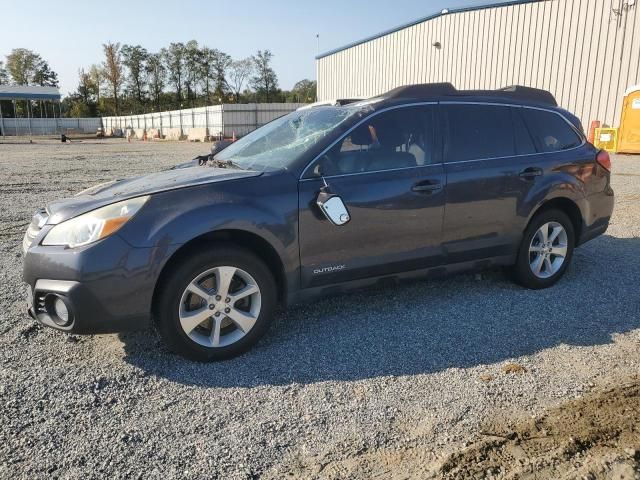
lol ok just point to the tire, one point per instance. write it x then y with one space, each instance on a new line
533 247
178 309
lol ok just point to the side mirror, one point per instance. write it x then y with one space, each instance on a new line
333 208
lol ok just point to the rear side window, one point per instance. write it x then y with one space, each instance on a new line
479 131
550 132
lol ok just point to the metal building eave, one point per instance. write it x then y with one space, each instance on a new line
424 19
23 92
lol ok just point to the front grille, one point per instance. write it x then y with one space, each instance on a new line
39 220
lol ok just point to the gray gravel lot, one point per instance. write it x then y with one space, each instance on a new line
365 375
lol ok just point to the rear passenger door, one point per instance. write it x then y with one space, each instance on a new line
484 148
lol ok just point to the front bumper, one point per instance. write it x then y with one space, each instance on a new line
108 286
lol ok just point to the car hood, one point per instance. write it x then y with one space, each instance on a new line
118 190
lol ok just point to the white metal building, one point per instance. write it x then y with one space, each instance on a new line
586 52
219 120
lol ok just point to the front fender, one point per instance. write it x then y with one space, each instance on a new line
265 206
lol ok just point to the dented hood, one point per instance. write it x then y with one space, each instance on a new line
111 192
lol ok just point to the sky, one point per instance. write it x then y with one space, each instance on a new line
70 34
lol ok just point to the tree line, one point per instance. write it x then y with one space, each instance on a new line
132 80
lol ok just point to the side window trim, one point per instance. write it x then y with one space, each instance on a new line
348 132
518 112
445 118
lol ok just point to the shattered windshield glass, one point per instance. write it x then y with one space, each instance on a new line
281 142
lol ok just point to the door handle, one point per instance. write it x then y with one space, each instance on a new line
531 172
428 186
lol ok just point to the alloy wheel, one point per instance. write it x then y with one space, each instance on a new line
548 250
220 306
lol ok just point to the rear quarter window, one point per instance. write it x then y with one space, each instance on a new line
550 131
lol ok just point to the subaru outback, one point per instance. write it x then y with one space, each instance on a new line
422 181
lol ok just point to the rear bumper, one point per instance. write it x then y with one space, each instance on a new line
599 210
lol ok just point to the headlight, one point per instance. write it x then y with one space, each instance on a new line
93 226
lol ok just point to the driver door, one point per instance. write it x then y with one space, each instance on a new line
389 175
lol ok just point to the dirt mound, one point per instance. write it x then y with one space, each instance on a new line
597 436
591 438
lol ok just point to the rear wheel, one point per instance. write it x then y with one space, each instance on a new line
216 304
546 250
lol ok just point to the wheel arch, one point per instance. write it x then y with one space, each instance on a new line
238 238
567 206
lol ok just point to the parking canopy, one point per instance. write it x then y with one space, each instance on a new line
20 92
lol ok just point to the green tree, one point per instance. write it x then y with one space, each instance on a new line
304 91
265 80
4 77
21 64
97 79
113 70
156 74
135 59
28 68
237 76
173 57
45 76
192 61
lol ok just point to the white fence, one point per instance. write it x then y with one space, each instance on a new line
48 126
216 121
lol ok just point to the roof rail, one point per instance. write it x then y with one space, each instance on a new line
530 93
421 90
517 92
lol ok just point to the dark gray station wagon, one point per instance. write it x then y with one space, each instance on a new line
422 181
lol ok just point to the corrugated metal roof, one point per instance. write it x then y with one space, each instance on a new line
21 92
449 11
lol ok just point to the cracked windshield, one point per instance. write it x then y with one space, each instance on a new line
281 142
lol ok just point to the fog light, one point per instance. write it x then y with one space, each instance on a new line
61 310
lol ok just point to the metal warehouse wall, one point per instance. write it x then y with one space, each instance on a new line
584 52
48 126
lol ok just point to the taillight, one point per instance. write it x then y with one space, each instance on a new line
604 160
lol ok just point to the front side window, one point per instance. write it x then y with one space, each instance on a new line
399 138
550 132
479 132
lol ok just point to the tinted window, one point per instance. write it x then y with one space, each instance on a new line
479 131
524 142
399 138
550 132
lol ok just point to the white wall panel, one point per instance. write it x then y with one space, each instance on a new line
586 54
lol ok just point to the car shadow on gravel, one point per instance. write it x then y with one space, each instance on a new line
425 327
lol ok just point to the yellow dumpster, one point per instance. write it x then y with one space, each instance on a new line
629 134
606 139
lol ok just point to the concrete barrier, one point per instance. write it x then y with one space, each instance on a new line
113 132
153 133
172 134
198 134
139 133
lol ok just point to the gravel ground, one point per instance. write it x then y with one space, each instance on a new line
340 388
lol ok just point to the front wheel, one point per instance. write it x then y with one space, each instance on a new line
546 250
216 304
